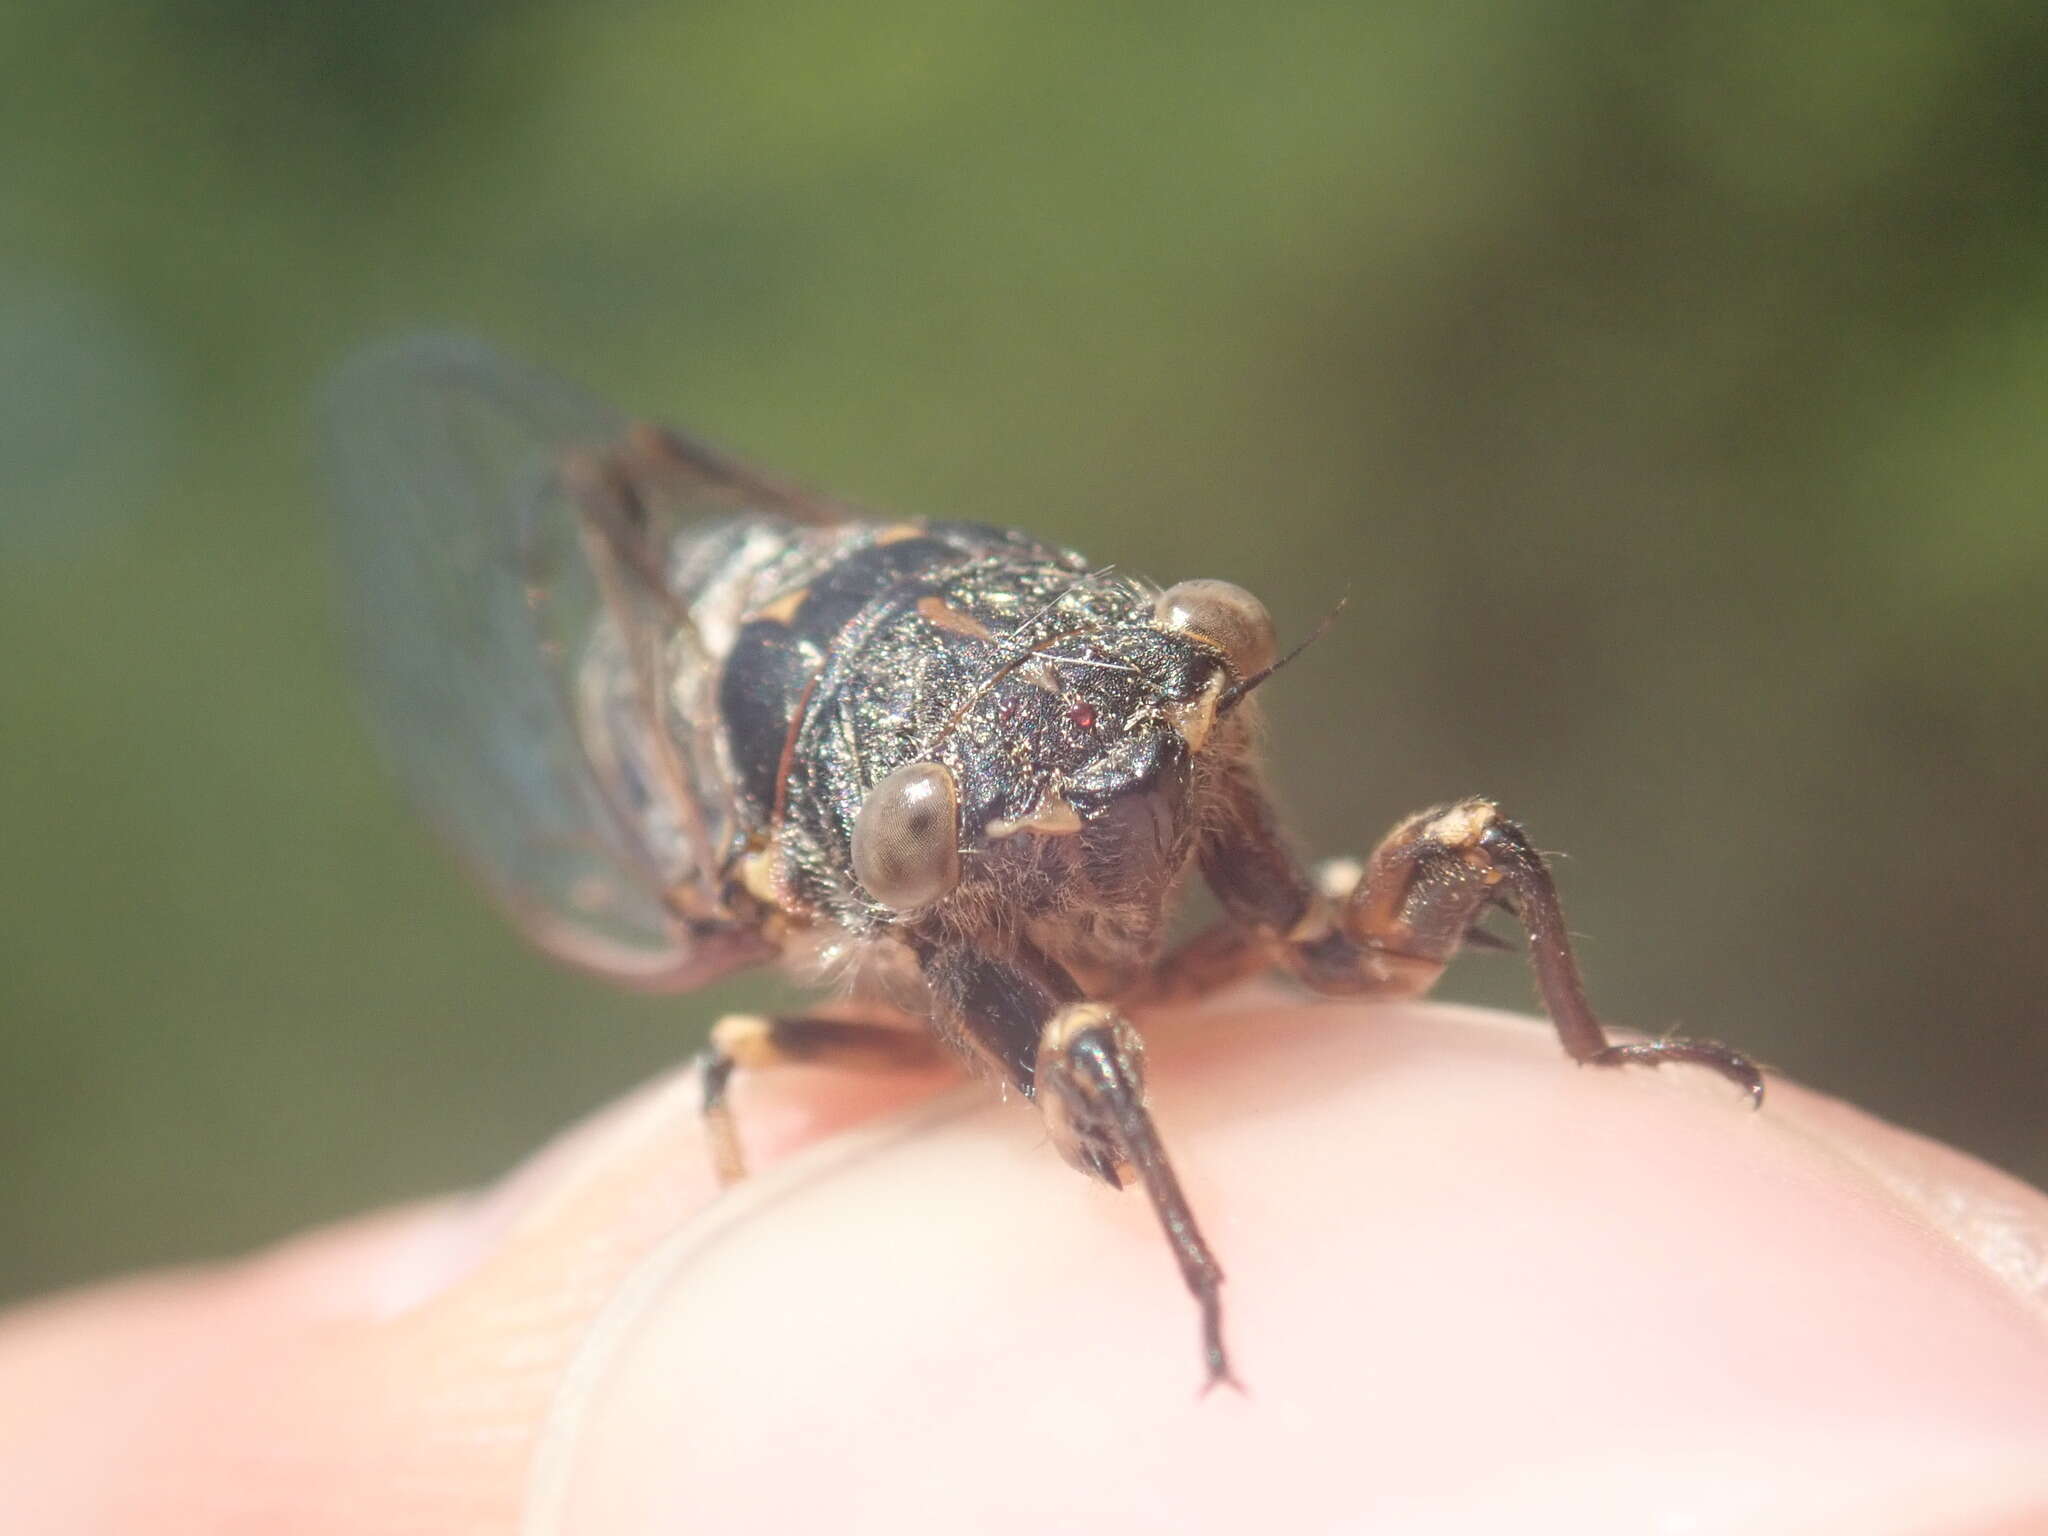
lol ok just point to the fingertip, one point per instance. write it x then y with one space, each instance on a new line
1464 1281
386 1372
1455 1268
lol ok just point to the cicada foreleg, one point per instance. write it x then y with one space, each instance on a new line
1388 928
1083 1064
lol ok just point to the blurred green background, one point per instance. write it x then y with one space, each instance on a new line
1667 386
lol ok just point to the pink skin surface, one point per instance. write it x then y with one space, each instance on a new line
1471 1289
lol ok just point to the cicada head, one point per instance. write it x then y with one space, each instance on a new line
1069 795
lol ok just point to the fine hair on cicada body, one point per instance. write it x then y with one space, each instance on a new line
682 717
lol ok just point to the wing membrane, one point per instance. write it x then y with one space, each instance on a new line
497 525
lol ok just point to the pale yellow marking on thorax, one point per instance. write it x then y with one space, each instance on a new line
947 617
783 609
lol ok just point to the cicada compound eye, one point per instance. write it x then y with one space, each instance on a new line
1226 616
906 839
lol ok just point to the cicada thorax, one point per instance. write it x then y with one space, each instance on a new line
846 669
1026 680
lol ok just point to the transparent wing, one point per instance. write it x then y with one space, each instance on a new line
506 536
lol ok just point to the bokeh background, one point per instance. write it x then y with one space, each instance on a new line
1667 387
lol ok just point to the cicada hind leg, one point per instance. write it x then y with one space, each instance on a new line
878 1043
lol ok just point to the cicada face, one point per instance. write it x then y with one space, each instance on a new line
1083 774
947 730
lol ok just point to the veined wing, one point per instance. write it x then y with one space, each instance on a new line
499 527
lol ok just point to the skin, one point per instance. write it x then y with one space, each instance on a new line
1471 1288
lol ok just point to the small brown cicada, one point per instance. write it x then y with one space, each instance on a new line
682 717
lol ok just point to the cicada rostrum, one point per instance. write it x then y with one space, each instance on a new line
682 717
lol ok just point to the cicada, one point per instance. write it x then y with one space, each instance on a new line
681 716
